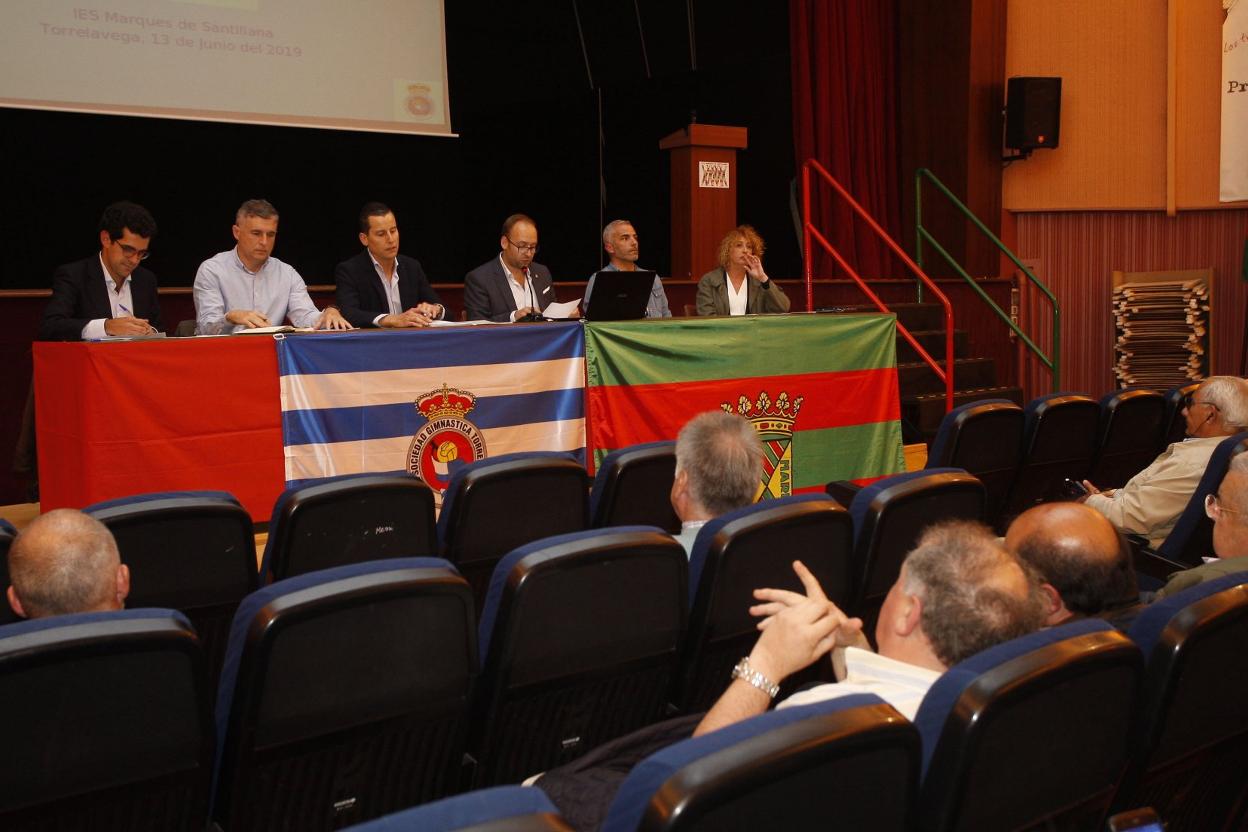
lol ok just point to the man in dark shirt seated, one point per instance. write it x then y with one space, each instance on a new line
66 562
379 286
107 295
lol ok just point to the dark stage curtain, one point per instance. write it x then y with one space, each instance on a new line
845 116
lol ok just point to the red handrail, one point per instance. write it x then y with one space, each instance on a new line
809 231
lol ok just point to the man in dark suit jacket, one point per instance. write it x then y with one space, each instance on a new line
108 294
510 286
379 286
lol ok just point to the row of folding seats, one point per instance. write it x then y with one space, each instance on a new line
1052 730
583 637
534 692
1023 455
194 551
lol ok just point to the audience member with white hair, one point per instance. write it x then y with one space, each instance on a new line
1151 502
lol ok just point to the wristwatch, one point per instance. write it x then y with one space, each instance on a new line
753 677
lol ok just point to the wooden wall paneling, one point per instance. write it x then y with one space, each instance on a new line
1077 251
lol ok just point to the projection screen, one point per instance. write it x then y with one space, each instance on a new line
375 65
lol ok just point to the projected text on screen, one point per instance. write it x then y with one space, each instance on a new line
365 65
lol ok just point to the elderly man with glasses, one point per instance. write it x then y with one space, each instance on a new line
1151 502
1228 508
107 295
510 287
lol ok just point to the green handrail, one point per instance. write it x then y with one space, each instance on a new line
921 236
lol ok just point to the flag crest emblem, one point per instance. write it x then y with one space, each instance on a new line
774 423
447 441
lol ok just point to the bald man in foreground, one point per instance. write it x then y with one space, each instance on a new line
66 562
1084 566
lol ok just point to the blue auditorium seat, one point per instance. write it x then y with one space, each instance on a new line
345 695
579 638
848 763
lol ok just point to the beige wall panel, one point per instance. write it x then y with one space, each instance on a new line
1111 55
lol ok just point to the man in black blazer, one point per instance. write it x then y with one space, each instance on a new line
511 285
107 295
379 286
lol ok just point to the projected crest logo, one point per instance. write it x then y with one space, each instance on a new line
774 423
448 441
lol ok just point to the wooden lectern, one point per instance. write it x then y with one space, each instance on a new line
704 194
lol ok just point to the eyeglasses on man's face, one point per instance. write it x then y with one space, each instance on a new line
523 248
1190 401
130 252
1214 508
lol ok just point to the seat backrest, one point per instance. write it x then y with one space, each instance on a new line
891 514
498 504
194 551
633 486
500 809
7 534
1059 441
847 763
579 637
1064 696
350 519
1191 741
1131 421
1175 426
107 723
748 549
985 439
1192 536
344 695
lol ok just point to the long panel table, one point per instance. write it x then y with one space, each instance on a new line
249 414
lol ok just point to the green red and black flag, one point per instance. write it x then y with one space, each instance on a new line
821 390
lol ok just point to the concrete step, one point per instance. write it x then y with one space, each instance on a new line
923 412
917 377
934 342
910 315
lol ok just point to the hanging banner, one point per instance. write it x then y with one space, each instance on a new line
1234 167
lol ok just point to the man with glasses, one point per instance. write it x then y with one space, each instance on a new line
512 286
1151 502
1228 508
107 295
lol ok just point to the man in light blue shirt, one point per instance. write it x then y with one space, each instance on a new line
246 287
619 238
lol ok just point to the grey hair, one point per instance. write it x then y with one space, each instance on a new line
63 562
1230 395
261 208
959 571
1236 498
723 456
609 230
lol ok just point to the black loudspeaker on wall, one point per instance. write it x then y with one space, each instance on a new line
1033 112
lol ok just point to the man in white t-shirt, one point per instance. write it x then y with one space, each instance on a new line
959 592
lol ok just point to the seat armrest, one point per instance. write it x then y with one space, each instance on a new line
843 491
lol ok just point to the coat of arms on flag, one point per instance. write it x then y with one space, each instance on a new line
447 441
774 423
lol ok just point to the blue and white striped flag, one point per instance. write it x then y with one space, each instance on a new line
428 402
